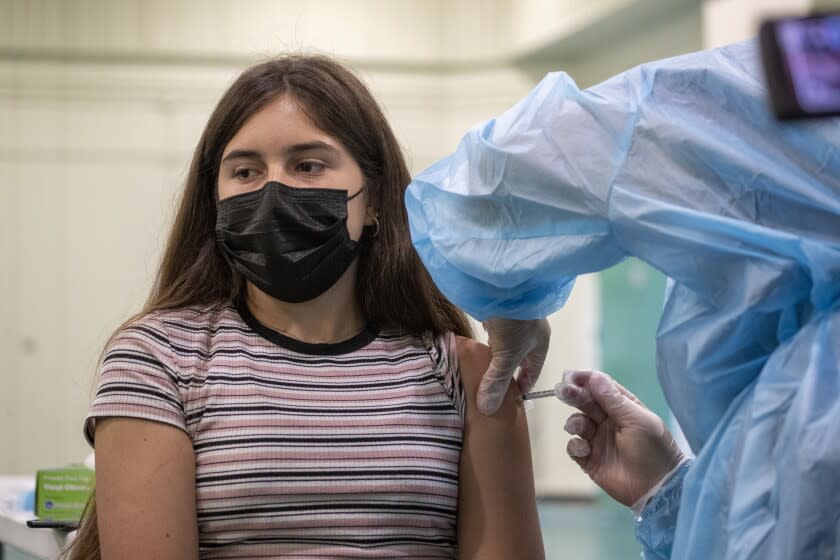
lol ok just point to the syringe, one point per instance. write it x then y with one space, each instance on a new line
537 395
542 394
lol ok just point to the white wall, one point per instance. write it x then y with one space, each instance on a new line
728 21
91 158
224 29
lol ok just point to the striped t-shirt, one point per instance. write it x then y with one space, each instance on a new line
347 450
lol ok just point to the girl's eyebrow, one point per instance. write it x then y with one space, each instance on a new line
310 146
291 150
241 154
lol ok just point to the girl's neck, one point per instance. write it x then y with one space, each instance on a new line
334 316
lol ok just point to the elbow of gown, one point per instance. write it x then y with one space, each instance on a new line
506 222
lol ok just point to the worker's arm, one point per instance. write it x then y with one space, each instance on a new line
145 491
570 181
497 510
677 162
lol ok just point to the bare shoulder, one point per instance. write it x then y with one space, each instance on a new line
473 360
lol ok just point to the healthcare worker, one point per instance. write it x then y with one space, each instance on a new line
681 164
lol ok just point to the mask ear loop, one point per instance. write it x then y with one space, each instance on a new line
375 219
349 198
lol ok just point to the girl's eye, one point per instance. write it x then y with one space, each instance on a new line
244 173
311 167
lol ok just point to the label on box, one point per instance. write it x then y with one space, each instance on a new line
62 494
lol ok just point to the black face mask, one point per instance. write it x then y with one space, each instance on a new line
293 244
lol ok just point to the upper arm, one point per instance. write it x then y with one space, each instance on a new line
145 490
497 510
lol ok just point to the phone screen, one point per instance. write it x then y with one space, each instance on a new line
811 51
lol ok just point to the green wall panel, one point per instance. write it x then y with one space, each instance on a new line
631 304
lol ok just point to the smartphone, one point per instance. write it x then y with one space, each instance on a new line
801 57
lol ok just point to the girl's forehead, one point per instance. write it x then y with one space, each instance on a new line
282 116
277 126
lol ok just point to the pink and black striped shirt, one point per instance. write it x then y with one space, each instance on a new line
303 451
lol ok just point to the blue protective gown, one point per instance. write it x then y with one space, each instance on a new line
681 164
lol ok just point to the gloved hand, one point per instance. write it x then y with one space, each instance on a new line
514 344
623 446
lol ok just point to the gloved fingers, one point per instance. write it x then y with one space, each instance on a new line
492 390
578 449
533 364
530 371
506 355
582 377
514 344
618 404
581 425
535 360
525 382
580 399
577 377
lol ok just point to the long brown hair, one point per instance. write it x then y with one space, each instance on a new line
393 288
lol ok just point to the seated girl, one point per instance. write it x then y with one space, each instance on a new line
296 386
